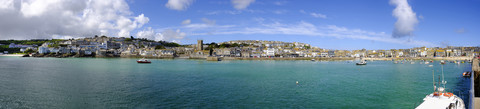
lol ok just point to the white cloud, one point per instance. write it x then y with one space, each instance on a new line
461 30
26 19
150 34
233 12
318 15
165 35
173 35
241 4
280 11
178 4
407 19
305 29
208 21
6 4
280 3
185 22
302 11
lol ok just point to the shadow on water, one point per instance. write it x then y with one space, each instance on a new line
463 86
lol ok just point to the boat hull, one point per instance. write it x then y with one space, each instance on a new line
144 62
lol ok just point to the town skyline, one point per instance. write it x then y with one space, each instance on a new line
392 24
207 42
103 46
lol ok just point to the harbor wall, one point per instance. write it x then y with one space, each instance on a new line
476 84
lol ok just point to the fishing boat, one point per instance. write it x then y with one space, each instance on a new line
427 62
442 62
313 60
143 60
467 74
363 62
441 99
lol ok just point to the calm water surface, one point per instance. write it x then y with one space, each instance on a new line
122 83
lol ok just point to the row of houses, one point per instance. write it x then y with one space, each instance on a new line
119 46
263 51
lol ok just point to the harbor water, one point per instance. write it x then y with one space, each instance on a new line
180 83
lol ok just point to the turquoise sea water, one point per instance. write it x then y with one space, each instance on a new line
178 83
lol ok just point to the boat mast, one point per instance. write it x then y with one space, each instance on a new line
433 78
443 79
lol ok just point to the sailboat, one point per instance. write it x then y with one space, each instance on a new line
441 99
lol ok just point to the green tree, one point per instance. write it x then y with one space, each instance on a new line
128 39
169 44
159 47
29 51
307 47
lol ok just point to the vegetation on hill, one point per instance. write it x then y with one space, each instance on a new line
29 42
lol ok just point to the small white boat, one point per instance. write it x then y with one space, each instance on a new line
442 62
412 62
430 65
363 62
427 62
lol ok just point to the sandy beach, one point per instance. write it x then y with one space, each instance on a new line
11 55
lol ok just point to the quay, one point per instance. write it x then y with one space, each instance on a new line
476 84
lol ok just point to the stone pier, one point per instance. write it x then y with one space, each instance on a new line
476 83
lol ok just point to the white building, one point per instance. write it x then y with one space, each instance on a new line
423 53
42 50
270 52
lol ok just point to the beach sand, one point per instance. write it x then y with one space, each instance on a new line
11 55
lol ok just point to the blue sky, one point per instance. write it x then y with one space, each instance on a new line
331 24
440 22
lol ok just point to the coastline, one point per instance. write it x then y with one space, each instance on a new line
288 58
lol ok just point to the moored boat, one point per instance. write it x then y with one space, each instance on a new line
143 60
363 62
467 74
441 99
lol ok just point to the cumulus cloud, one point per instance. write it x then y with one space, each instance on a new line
318 15
241 4
407 19
178 4
149 33
185 22
27 19
165 35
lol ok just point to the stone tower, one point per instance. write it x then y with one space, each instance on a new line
199 45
